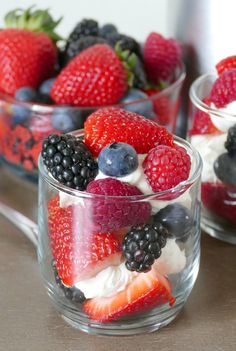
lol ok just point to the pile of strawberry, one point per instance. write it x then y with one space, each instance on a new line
98 66
87 238
218 197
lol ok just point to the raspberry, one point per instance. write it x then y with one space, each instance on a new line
161 57
106 214
226 64
166 167
112 124
224 89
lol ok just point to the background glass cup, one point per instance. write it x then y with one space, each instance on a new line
207 132
62 209
23 126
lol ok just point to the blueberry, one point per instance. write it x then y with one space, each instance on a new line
118 159
176 218
144 107
66 119
26 94
225 169
20 114
107 29
45 87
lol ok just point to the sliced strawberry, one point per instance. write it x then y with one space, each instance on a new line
78 254
146 291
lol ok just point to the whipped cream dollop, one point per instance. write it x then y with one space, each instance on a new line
114 279
210 146
225 122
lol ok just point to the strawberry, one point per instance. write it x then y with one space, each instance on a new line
78 254
146 291
224 89
95 77
111 124
226 64
202 123
26 57
161 57
166 167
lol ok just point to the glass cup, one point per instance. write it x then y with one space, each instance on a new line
23 126
208 129
81 239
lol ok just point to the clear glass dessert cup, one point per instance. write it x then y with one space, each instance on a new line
23 126
207 132
81 261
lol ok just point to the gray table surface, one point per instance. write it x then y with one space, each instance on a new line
28 321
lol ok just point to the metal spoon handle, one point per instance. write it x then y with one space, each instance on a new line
27 227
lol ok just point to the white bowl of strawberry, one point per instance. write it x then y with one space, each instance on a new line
119 223
213 132
49 85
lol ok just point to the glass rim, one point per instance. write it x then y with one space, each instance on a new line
197 102
46 108
162 194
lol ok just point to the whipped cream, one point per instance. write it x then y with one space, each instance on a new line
210 147
225 122
108 282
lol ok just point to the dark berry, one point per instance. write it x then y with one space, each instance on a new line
69 161
71 293
77 46
118 159
176 218
20 114
126 43
225 169
66 119
142 246
140 79
107 29
84 28
230 143
45 87
26 94
143 106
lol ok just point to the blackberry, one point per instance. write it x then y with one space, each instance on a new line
126 43
142 246
75 47
140 79
69 161
230 143
84 28
71 293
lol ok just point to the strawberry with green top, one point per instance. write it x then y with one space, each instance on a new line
28 53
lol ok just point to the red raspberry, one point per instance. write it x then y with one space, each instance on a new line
106 214
202 123
224 89
161 57
226 64
166 167
112 124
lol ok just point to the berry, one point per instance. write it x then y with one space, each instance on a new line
225 169
45 87
140 79
27 57
107 29
125 42
107 215
95 77
20 114
161 57
84 28
142 246
117 125
146 291
202 123
143 107
224 89
72 293
166 167
230 143
220 200
226 64
77 46
78 254
67 119
69 161
176 218
118 160
26 94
